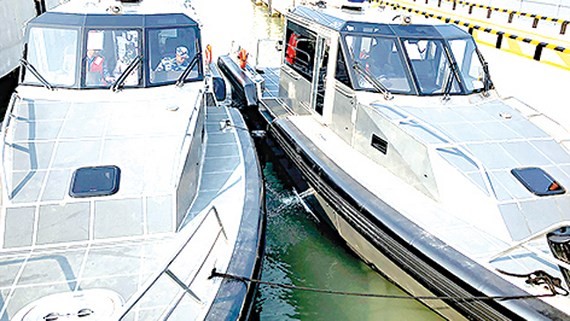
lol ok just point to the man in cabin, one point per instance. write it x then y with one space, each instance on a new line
177 63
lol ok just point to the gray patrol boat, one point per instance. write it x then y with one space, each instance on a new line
125 185
455 193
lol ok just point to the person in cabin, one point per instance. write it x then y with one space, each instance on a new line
177 63
96 67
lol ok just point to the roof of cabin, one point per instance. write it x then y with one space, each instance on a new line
375 23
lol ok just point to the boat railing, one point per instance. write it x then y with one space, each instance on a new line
5 127
526 245
447 142
166 268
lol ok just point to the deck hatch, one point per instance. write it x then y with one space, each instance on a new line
95 181
538 181
379 144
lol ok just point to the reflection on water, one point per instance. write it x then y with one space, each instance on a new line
300 251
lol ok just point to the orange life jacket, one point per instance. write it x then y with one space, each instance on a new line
291 51
208 55
242 57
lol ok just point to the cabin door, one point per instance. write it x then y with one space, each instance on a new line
319 74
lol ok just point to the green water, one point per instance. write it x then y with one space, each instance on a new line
302 252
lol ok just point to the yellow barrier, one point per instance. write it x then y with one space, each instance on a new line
555 55
536 18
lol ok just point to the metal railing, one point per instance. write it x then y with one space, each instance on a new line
166 269
525 244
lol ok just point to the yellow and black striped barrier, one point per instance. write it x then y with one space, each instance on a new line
555 55
536 18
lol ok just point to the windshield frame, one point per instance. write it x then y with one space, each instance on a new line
151 63
82 24
75 59
459 85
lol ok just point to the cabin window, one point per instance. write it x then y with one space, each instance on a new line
172 51
341 69
55 62
108 54
468 63
300 50
430 65
537 181
380 59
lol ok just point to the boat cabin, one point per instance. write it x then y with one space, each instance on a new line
385 56
91 50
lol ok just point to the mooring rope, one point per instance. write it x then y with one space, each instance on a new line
383 296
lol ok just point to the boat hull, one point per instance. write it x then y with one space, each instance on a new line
376 232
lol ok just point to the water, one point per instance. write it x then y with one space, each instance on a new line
299 250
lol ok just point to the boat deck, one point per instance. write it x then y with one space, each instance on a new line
125 263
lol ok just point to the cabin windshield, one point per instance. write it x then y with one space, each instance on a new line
103 51
53 52
108 53
430 66
172 50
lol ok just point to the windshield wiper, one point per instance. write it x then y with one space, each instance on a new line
118 84
487 83
375 83
36 73
186 72
453 73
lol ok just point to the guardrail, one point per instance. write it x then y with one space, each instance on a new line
535 49
511 13
167 271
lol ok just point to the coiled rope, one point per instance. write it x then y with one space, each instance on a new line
543 279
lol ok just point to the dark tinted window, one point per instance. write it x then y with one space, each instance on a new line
341 69
300 49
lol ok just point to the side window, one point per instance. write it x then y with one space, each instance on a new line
341 70
107 56
300 50
171 51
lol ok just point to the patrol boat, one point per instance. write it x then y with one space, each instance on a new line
456 194
124 187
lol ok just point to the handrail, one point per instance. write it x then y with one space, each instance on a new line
407 117
524 244
5 127
129 305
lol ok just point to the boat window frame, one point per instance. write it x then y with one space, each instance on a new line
150 69
352 74
84 45
309 35
78 54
